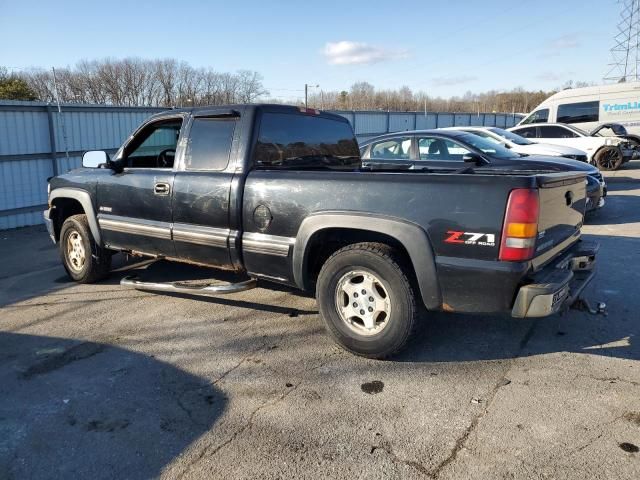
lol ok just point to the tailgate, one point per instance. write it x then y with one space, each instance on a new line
562 206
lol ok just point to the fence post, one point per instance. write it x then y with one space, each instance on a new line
52 141
388 122
437 118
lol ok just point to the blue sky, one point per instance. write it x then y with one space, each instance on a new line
443 48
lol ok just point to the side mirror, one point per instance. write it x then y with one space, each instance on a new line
474 158
94 158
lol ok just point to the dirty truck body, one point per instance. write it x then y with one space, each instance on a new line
278 193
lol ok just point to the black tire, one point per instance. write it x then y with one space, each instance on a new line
97 260
392 271
608 158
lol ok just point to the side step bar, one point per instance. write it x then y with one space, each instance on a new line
177 287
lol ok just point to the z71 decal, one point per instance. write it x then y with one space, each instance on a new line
471 238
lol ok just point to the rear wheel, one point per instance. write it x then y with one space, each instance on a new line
608 158
83 259
367 300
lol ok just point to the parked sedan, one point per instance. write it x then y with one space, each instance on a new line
607 153
446 150
522 145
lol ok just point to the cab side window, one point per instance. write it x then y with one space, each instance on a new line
440 149
392 149
539 116
154 146
556 132
209 143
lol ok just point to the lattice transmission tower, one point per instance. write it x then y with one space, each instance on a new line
625 54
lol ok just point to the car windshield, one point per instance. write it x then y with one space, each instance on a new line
486 146
579 131
512 137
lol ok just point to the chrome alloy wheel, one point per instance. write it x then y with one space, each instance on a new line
75 251
362 302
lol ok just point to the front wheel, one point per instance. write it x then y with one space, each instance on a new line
367 300
608 158
83 259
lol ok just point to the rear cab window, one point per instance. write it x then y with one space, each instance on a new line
297 141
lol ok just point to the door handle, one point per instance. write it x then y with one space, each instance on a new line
161 188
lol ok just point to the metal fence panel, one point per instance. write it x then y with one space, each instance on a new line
446 120
370 123
476 119
64 164
399 122
24 132
462 119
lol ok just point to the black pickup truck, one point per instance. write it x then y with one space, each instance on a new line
279 193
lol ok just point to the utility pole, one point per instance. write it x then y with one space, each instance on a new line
306 93
64 130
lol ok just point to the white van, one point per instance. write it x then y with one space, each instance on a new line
589 107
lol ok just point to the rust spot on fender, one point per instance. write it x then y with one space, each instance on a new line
447 308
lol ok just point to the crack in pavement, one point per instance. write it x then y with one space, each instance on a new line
602 426
608 379
502 382
387 448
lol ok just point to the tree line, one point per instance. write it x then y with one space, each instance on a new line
173 83
139 82
364 96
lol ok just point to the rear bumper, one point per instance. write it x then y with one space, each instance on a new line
49 223
559 284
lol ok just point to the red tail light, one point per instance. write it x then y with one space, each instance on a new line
520 227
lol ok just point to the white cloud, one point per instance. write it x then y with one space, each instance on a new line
358 53
557 46
564 42
448 81
548 76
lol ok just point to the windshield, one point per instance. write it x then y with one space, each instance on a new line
579 131
486 146
512 137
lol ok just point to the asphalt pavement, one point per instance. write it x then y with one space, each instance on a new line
100 381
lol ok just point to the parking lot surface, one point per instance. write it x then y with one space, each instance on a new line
99 381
